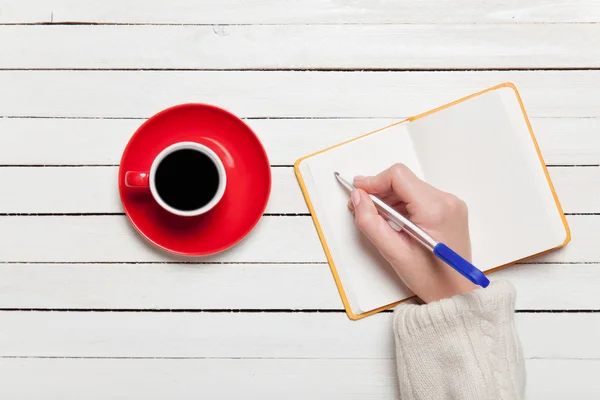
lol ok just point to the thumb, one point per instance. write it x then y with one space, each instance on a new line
390 243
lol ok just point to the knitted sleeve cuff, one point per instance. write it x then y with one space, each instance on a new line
495 304
463 347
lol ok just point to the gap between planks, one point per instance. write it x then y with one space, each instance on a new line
113 214
316 69
217 24
272 165
261 118
243 262
237 358
249 311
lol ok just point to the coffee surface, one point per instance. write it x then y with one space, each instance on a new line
187 179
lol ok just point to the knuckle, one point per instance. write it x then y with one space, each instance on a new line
436 214
399 170
362 220
454 204
447 207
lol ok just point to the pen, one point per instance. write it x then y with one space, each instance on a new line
439 249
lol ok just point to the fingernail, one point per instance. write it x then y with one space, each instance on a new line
355 197
359 178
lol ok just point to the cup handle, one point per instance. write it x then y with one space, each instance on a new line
137 179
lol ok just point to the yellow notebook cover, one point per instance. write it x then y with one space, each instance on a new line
355 316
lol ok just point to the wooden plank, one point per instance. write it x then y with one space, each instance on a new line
581 240
577 188
568 140
257 378
559 286
285 335
561 379
101 141
256 287
95 190
194 379
285 93
296 11
43 190
280 335
275 239
112 238
179 286
301 46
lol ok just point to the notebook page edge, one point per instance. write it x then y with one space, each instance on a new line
347 297
516 111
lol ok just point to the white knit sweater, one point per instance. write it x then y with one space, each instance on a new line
465 347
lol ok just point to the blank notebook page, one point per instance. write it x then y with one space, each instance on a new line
482 151
368 280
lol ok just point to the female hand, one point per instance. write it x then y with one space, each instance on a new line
442 215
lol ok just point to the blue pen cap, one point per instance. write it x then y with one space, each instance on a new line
464 267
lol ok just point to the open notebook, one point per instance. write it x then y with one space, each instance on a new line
480 148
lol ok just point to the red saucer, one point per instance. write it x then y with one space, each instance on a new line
248 180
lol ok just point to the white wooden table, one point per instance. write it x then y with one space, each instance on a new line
89 310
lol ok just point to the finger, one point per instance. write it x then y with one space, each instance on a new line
391 199
391 245
398 206
401 208
398 179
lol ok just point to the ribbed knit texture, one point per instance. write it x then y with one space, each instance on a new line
465 347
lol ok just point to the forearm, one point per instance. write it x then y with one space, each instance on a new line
464 347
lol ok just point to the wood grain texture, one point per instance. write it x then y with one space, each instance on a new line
580 381
302 46
95 190
297 11
568 182
194 379
249 287
275 239
286 93
276 335
257 378
113 238
101 141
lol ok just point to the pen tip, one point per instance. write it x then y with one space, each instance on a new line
336 174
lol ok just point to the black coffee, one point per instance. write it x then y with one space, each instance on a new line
187 179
